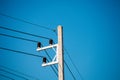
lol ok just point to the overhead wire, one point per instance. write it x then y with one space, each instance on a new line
18 19
6 77
70 70
64 49
53 65
13 74
53 69
27 54
21 52
68 67
33 35
18 37
51 60
18 72
3 27
24 33
72 62
24 39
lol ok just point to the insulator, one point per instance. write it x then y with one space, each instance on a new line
39 44
50 41
44 60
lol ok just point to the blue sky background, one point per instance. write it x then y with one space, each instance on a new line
91 36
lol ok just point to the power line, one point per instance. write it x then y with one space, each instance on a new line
21 52
69 70
27 54
52 66
53 69
19 38
13 74
23 32
51 60
32 35
72 62
7 77
24 52
18 72
18 19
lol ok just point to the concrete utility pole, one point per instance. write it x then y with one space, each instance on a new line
59 57
60 54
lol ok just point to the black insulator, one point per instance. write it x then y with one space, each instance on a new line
50 41
44 60
39 44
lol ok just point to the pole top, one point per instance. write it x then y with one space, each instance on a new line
60 26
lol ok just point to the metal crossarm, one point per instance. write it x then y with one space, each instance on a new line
59 57
46 47
50 63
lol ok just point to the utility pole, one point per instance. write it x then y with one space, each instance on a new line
60 54
59 57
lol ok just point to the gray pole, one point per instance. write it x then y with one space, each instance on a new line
60 54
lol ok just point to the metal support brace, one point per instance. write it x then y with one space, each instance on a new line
59 56
54 60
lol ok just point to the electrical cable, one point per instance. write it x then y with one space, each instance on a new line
70 70
19 72
27 22
53 69
51 60
19 38
34 35
24 39
72 62
13 74
7 77
21 52
49 57
53 65
2 27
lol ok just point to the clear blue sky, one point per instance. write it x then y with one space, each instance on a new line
91 36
